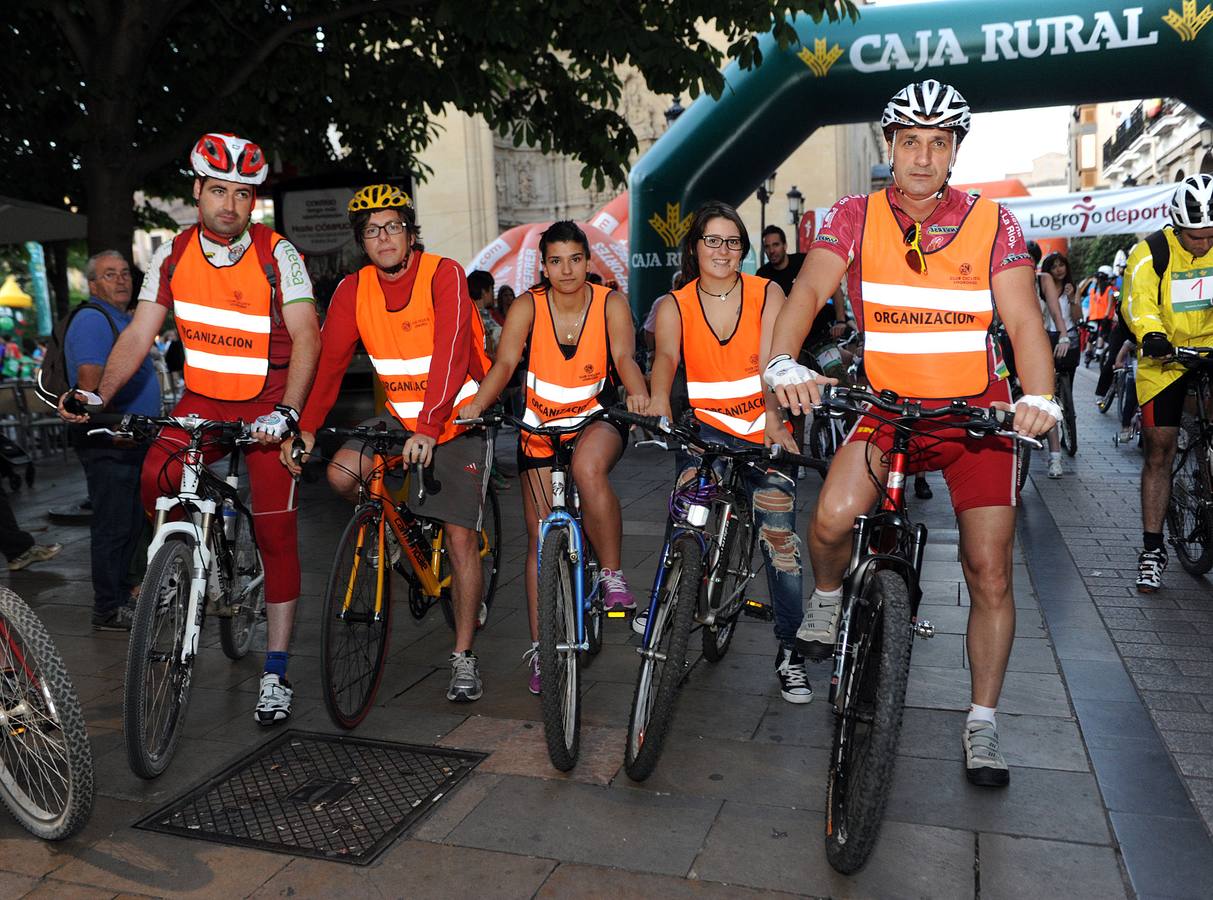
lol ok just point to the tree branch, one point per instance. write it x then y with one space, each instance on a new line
75 35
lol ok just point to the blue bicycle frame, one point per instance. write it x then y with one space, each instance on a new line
561 517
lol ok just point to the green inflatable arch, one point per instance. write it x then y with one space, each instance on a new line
1000 55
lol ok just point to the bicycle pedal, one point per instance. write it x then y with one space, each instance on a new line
756 609
924 629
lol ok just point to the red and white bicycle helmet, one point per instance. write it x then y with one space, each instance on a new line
1192 204
229 158
927 104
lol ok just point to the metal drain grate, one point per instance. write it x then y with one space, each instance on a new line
319 795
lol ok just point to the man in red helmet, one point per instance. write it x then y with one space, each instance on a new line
244 307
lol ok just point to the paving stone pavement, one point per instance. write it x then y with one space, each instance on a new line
734 806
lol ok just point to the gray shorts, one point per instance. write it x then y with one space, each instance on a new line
455 482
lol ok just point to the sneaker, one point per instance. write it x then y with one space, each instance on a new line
274 700
531 658
615 592
1150 566
640 621
793 682
1126 435
1055 469
922 489
819 630
984 765
36 553
465 678
118 619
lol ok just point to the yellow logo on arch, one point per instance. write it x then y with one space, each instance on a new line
820 60
674 226
1189 24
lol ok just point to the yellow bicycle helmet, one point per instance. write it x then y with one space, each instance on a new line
379 196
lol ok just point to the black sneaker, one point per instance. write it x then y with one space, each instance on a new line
1150 566
922 489
793 681
119 619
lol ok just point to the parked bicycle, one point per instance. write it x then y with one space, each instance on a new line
357 612
46 763
879 619
1190 510
706 566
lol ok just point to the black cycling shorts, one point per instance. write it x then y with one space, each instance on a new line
1165 409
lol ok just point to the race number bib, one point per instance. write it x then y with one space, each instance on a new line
1191 291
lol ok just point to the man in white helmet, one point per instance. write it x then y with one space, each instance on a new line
914 254
244 307
1170 304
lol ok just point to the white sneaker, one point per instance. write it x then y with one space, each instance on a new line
819 630
640 621
274 701
1150 566
1055 469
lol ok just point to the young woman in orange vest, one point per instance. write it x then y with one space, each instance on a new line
579 338
719 324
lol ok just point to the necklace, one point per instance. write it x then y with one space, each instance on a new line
572 330
725 295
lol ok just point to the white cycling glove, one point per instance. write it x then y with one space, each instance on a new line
1037 402
90 398
277 423
783 371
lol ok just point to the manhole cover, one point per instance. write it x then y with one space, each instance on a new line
320 795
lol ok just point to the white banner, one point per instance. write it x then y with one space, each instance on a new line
1125 211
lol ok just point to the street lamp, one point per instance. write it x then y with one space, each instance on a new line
795 205
765 191
672 114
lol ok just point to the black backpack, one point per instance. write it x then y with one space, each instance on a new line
52 377
1160 255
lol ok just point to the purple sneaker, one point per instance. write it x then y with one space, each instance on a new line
531 658
615 592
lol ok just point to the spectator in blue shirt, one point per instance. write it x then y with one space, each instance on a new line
112 471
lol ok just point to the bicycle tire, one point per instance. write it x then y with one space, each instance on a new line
559 695
1023 463
657 681
157 637
715 640
236 632
820 445
490 565
1188 520
33 677
353 642
1111 395
1069 422
861 766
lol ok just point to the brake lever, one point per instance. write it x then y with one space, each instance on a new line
109 432
653 442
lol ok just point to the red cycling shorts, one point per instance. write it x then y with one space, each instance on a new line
979 471
273 489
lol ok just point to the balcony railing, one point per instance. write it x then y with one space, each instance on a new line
1133 126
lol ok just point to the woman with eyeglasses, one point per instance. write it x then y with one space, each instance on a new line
719 324
578 342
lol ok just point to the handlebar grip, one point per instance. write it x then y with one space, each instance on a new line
106 418
1004 417
74 405
656 424
298 448
418 477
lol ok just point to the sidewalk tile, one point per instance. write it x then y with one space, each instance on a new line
573 881
1037 742
1017 867
1179 866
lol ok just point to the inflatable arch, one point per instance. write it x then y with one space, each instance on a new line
1000 55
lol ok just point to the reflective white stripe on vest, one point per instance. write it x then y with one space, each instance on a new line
925 341
980 301
419 365
556 393
724 390
229 365
221 318
737 426
535 422
412 409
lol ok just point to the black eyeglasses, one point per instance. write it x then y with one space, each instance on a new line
370 232
915 258
715 241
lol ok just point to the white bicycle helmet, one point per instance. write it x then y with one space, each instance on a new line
228 158
1192 205
1106 271
928 104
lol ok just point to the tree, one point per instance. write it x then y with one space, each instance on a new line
1088 254
105 97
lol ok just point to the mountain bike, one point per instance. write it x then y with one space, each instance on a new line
357 612
706 565
206 561
1190 509
46 763
879 619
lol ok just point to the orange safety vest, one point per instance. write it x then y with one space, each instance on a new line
401 345
926 336
224 317
561 392
723 381
1101 304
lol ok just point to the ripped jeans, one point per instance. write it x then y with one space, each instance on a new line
773 498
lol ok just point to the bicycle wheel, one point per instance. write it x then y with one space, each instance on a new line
353 637
490 556
46 763
157 687
731 571
1023 456
821 438
663 663
1068 423
594 612
559 695
1188 519
1110 397
236 631
867 730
